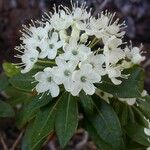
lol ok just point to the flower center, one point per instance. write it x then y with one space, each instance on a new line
39 38
51 46
93 66
49 79
38 49
83 79
67 73
74 52
32 59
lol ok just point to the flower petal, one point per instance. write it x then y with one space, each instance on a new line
54 89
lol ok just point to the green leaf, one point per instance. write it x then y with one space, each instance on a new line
42 127
6 110
96 137
131 145
124 115
10 69
105 123
66 118
87 102
29 111
139 117
136 133
3 82
144 106
23 81
129 88
16 96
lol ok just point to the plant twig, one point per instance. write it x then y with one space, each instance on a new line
17 141
83 142
3 143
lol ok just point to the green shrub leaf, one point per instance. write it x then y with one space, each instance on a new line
96 137
144 106
66 118
136 133
10 69
129 88
6 110
29 111
42 127
105 123
3 82
23 81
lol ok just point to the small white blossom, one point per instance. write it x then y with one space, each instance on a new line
46 82
97 62
144 93
113 74
134 54
60 20
29 58
51 46
34 35
75 51
63 73
84 79
80 12
112 43
147 131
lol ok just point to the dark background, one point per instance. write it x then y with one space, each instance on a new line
14 13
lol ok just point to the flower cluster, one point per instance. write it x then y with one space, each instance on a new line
75 49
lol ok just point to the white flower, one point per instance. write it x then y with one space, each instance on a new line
80 13
97 62
29 58
144 93
113 74
84 79
63 73
92 27
112 52
46 82
147 131
148 148
75 51
60 20
129 101
134 54
112 43
34 35
50 46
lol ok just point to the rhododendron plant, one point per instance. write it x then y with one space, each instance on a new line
72 63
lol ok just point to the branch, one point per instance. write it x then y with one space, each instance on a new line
17 141
3 143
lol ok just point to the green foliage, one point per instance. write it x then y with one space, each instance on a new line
66 118
129 88
144 105
30 109
136 133
23 82
3 82
43 126
6 110
10 69
113 126
105 123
